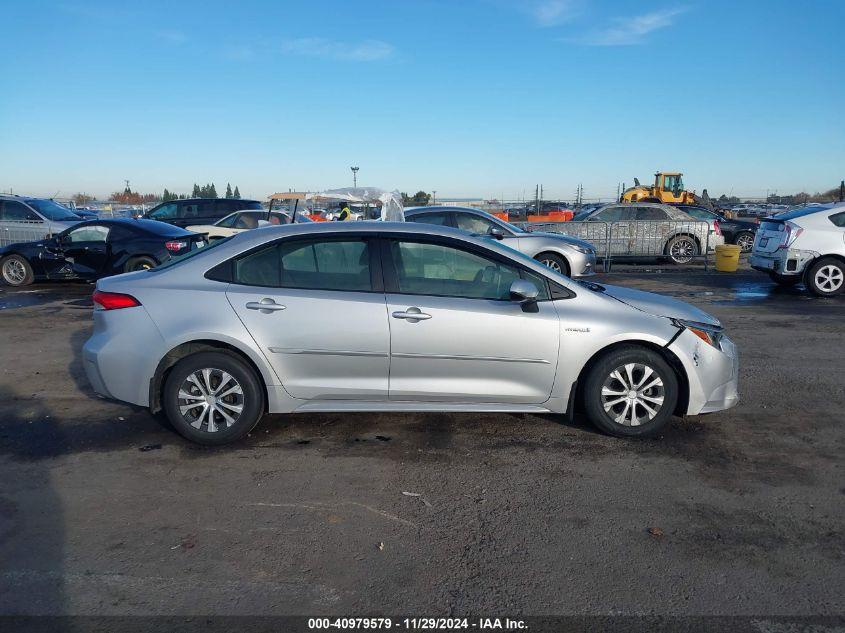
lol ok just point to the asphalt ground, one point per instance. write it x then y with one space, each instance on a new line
105 511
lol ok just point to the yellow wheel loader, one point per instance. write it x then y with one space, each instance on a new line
668 188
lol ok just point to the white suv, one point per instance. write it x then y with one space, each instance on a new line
806 244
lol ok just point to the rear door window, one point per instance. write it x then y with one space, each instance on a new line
614 214
650 213
308 264
14 211
440 219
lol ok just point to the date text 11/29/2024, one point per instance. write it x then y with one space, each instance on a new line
417 624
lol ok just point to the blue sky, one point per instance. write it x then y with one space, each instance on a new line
466 97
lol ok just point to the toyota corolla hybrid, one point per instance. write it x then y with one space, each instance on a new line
395 317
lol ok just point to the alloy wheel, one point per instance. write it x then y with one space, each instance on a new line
14 272
829 278
632 394
745 242
682 250
210 399
550 263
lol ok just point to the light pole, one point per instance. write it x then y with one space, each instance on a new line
355 176
434 197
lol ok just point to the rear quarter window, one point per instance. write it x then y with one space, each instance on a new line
838 219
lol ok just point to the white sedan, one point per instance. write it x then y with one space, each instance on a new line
241 221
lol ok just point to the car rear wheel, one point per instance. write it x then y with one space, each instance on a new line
17 271
682 248
213 398
745 241
826 278
555 262
140 263
631 392
785 280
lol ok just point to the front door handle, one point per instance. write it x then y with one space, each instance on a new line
412 314
265 306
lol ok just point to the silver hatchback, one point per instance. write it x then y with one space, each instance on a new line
376 316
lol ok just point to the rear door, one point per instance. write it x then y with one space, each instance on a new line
455 335
618 220
316 308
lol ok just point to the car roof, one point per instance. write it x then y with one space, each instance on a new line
184 200
148 226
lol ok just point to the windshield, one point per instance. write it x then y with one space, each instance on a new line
197 251
52 210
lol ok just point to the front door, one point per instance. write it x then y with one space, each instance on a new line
455 334
316 309
85 249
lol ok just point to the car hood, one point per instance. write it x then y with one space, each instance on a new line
658 305
573 241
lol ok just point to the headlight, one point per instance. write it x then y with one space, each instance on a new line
710 334
587 250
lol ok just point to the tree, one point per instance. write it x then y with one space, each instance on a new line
228 190
196 193
420 199
82 199
237 194
167 196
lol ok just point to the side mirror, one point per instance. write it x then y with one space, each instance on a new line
496 232
525 293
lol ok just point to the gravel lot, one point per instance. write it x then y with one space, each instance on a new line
104 510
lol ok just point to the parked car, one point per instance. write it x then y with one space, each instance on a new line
739 232
29 219
94 249
194 211
244 221
806 244
433 319
646 230
567 255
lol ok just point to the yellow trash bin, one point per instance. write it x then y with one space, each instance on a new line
727 258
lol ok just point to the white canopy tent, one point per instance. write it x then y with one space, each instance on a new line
391 201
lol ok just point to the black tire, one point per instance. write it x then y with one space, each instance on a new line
251 398
555 262
826 277
16 271
785 280
745 241
686 246
140 263
602 375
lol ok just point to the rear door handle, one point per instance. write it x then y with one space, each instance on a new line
265 306
411 314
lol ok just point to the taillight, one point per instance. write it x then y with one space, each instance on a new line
114 300
790 234
175 246
716 227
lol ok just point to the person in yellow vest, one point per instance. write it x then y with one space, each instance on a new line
345 213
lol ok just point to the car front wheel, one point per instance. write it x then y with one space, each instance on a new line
631 392
17 271
213 398
826 278
555 262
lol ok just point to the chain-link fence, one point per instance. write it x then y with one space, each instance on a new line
680 241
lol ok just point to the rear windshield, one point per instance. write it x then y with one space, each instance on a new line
800 213
771 225
52 210
173 261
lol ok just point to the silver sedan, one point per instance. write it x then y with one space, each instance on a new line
565 254
376 316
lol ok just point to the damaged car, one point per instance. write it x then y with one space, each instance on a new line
94 249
